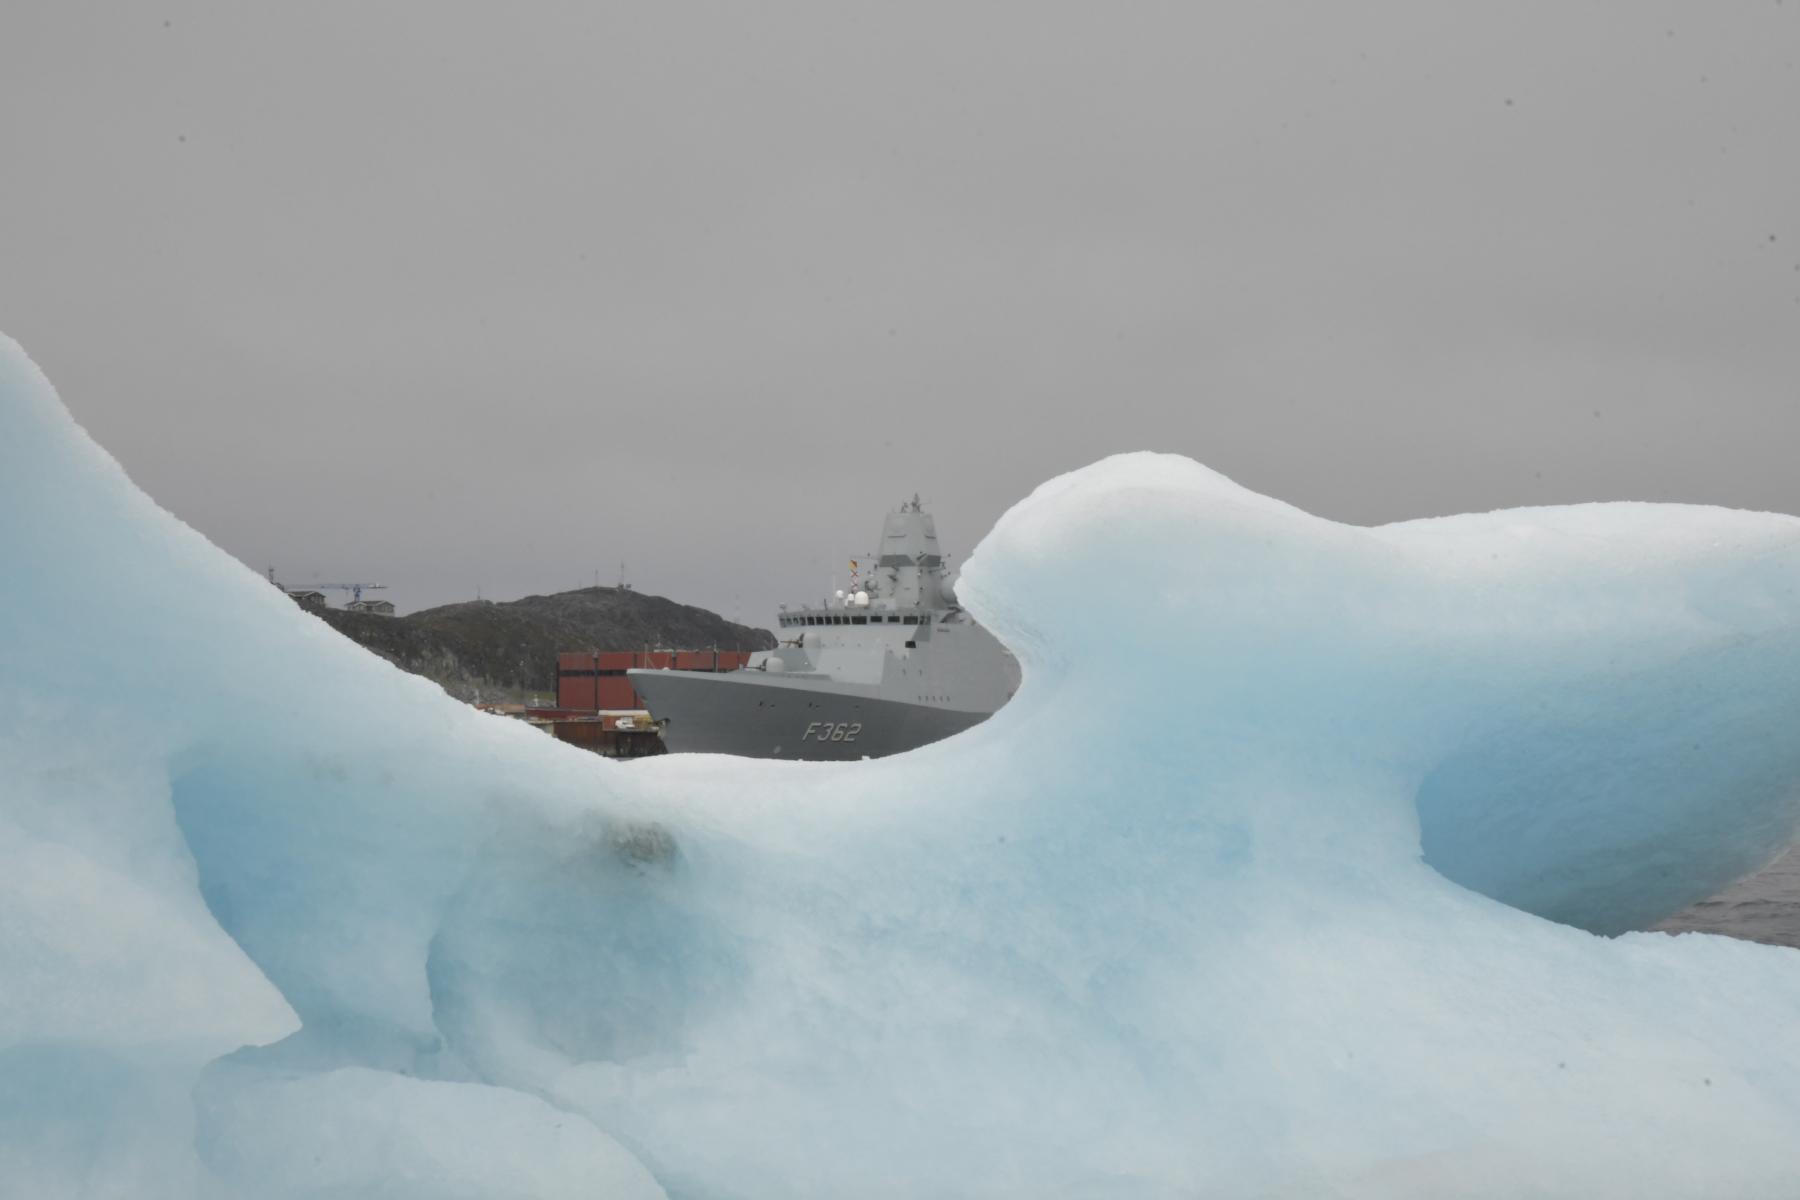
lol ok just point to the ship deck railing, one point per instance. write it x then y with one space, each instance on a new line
811 618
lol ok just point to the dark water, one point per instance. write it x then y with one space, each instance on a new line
1765 907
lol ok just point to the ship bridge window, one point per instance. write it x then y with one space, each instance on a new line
913 620
859 620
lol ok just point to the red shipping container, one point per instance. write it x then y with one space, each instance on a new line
615 692
575 680
587 680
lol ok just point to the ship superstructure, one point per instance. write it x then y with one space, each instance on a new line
889 664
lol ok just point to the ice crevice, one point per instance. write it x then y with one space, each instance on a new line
1301 865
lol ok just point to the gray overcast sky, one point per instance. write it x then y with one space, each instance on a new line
454 295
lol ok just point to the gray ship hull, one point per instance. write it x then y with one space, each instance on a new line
751 714
893 664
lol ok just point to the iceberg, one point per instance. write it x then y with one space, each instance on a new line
1303 864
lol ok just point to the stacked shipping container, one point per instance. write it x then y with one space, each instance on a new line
592 680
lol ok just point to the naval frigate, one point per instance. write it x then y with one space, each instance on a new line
889 665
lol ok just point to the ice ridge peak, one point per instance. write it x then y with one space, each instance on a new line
1285 874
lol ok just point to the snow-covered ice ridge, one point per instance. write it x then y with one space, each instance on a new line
1281 877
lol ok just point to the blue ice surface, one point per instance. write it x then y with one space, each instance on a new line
1291 872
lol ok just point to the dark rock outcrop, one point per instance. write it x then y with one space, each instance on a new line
507 650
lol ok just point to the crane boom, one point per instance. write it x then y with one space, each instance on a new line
355 589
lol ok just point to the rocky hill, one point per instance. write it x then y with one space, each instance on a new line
507 650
